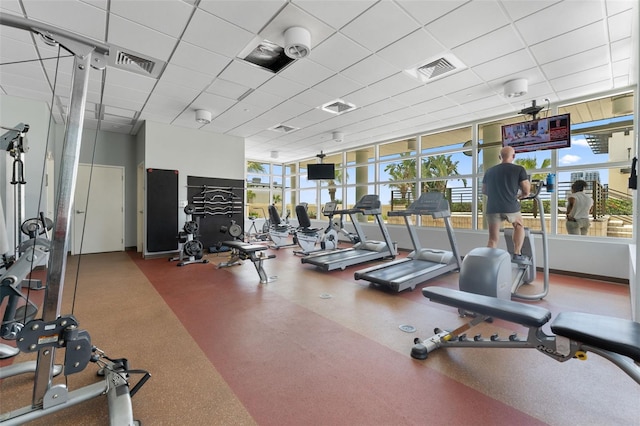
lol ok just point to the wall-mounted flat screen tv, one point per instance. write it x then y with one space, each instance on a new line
321 171
535 135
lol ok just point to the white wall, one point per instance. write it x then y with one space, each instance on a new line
193 153
34 113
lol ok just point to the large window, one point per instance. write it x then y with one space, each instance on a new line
454 162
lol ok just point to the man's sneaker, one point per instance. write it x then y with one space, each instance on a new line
521 259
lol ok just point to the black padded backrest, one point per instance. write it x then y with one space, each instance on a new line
303 217
274 217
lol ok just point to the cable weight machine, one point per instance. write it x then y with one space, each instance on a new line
55 331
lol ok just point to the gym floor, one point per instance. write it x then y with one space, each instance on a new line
318 348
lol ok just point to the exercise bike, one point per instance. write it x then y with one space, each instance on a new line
491 272
308 238
279 230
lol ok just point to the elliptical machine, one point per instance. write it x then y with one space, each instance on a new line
490 271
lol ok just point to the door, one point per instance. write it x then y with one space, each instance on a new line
103 217
140 209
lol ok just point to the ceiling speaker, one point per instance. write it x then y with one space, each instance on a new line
516 88
338 137
297 42
203 116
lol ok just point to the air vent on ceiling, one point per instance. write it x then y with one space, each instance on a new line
282 128
436 68
267 55
337 106
135 62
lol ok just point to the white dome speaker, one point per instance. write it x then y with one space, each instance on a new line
203 116
338 137
297 42
516 88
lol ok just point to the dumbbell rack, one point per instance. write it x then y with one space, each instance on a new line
191 249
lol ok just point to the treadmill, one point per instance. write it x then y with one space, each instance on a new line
363 250
421 264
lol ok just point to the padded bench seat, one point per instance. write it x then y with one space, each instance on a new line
244 247
612 334
528 315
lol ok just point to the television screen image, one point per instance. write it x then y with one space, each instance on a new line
321 171
535 135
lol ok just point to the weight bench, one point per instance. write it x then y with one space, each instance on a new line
241 251
576 333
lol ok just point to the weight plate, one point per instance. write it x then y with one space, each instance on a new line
193 248
191 227
189 209
235 230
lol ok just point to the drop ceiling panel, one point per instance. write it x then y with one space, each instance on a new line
558 19
620 26
339 52
306 72
335 13
366 29
166 16
212 33
412 50
310 97
198 59
585 38
245 74
506 65
282 87
370 70
472 20
186 77
227 89
140 39
337 86
75 16
428 11
590 58
247 14
489 47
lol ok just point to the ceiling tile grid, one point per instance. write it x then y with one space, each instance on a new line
362 51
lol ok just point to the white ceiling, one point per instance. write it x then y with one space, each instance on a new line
359 52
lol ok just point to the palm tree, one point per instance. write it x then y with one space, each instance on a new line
404 173
439 166
531 163
255 167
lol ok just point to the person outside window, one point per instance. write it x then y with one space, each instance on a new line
579 206
504 185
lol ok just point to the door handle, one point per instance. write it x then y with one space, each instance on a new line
79 211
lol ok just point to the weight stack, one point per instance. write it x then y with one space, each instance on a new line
487 271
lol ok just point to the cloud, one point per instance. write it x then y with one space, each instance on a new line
569 159
579 142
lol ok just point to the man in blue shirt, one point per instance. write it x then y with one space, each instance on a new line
501 184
